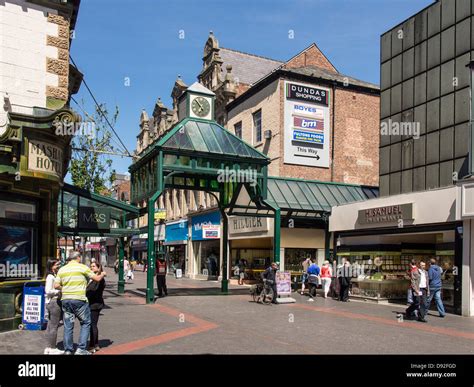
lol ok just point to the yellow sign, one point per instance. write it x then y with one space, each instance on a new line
160 214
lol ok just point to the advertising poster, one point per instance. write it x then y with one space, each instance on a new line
283 280
32 313
306 111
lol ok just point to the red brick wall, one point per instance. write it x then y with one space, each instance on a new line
311 57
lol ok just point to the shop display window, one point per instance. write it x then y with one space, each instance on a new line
207 257
295 257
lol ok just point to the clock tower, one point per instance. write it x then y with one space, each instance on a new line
197 101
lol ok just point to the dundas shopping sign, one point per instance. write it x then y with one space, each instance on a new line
386 214
306 120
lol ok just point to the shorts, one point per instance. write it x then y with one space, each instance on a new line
242 275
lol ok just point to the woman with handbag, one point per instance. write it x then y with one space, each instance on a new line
53 306
94 294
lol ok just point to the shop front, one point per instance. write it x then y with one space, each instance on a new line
251 241
176 240
138 248
380 238
206 245
33 162
465 211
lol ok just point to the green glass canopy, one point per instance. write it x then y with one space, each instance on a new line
302 198
193 135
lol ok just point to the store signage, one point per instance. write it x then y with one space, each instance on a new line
386 214
306 120
45 157
92 218
199 221
210 231
160 214
92 246
248 224
306 93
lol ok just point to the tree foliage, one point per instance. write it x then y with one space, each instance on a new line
90 167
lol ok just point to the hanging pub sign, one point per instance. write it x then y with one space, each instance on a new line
93 218
45 157
386 214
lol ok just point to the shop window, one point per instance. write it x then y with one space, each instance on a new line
18 238
295 257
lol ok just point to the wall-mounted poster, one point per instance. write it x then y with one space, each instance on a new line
306 111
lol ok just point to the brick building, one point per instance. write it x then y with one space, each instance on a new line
251 102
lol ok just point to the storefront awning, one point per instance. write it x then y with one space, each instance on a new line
303 198
84 213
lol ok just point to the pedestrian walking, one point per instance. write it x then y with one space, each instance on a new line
126 268
72 279
326 277
305 264
161 276
94 294
434 273
419 284
241 266
270 275
344 277
53 306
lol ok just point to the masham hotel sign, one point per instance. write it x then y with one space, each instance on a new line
45 157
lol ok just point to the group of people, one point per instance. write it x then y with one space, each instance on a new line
74 291
324 276
424 286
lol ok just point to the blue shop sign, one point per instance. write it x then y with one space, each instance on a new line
176 232
212 218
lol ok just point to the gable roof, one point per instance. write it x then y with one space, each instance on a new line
247 68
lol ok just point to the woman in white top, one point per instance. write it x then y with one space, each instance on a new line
53 305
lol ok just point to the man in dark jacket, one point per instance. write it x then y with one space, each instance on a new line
434 274
344 275
270 275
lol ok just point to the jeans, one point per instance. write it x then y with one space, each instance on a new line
436 293
419 304
71 310
54 312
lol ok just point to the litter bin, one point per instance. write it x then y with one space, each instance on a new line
33 316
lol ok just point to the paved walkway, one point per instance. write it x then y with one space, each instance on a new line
196 318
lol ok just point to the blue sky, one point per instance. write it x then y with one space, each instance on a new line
139 40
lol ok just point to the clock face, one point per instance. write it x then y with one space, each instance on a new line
200 106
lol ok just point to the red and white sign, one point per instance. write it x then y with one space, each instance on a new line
211 231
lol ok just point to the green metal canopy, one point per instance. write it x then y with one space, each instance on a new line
302 198
208 137
72 199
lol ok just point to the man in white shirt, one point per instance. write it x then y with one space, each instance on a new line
424 292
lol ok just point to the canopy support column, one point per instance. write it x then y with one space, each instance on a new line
276 236
150 274
121 274
225 251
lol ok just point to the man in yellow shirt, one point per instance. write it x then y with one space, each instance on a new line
72 279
